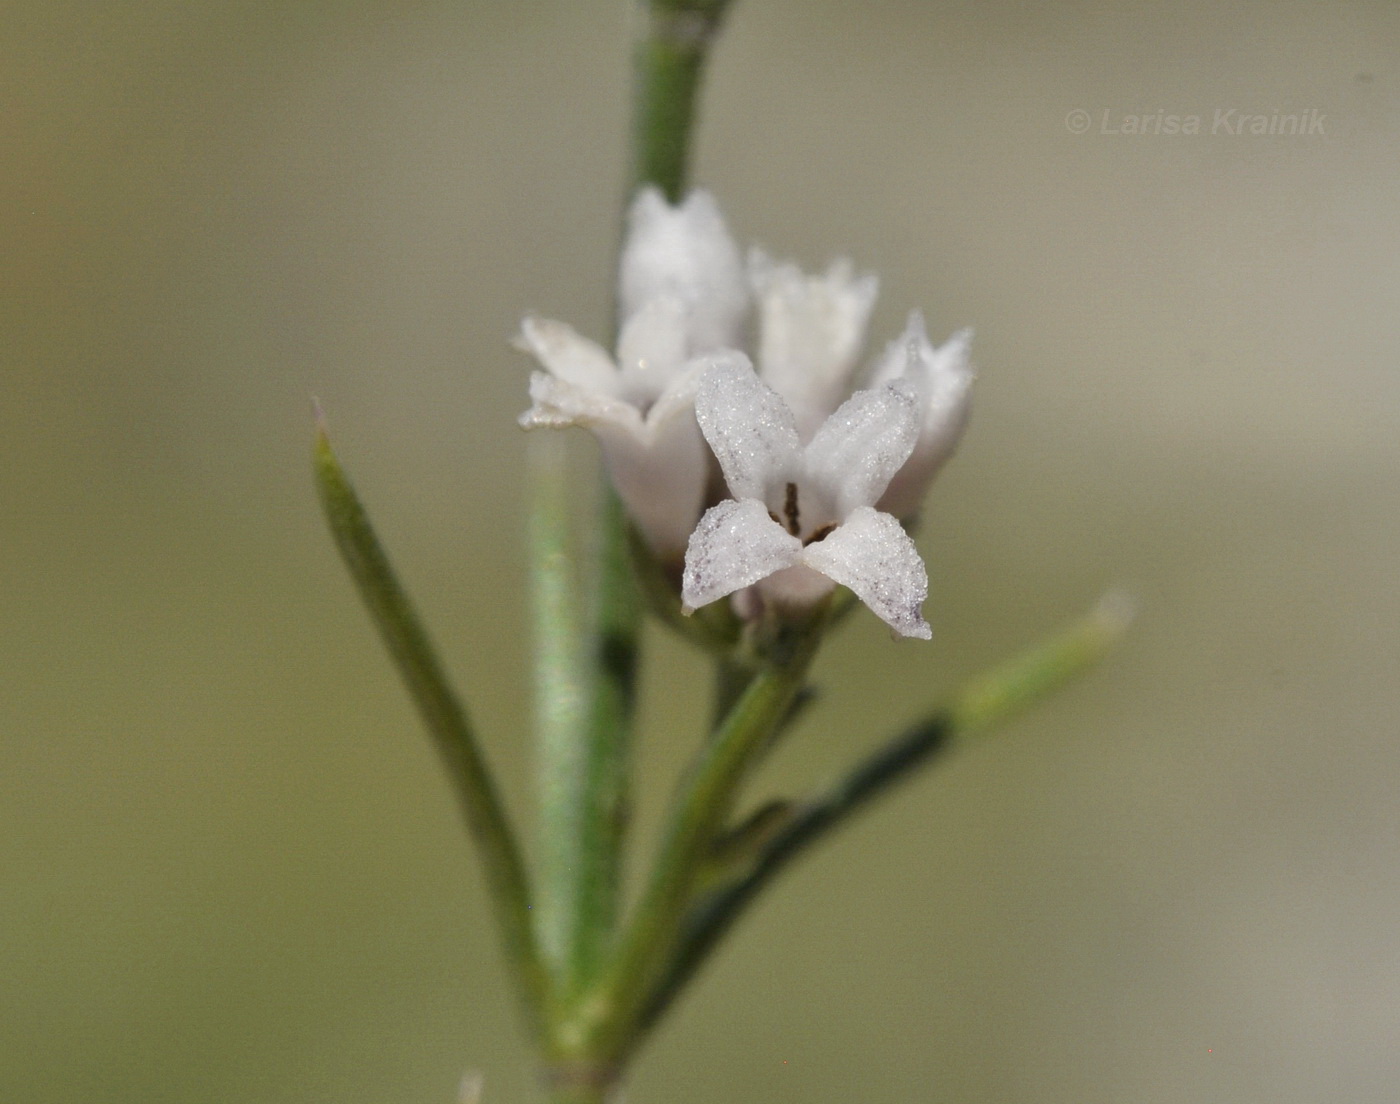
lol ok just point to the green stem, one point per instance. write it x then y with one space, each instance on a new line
732 678
446 721
711 919
586 760
586 753
704 803
560 704
670 63
987 701
603 791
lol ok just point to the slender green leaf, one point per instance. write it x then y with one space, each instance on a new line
442 713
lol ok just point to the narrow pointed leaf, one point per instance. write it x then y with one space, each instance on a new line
442 713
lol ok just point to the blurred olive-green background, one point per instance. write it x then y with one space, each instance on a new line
229 871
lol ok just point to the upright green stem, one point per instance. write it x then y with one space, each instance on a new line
560 706
446 721
608 735
670 63
585 695
584 688
587 829
705 800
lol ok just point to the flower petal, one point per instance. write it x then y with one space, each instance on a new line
794 588
749 428
860 447
660 478
651 349
735 545
568 355
687 252
559 403
942 379
657 466
811 329
679 396
873 555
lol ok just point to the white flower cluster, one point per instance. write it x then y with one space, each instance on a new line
821 478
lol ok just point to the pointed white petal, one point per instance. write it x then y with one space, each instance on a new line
679 396
735 545
559 403
942 378
909 347
749 428
941 375
686 252
811 329
568 355
858 449
651 349
873 556
660 478
658 466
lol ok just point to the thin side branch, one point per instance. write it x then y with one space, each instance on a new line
712 918
995 697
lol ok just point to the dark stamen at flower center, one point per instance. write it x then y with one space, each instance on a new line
790 509
791 519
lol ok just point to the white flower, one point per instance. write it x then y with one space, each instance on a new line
802 518
686 253
942 378
810 333
682 293
811 330
641 409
